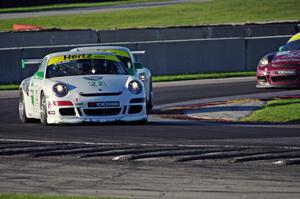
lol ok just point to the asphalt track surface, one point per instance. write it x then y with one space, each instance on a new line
159 131
176 159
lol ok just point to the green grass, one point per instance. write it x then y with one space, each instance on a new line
282 110
70 5
165 78
38 196
211 12
9 86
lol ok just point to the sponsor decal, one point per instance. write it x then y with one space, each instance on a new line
286 72
104 104
66 58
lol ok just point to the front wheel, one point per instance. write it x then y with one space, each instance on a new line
43 110
149 104
22 110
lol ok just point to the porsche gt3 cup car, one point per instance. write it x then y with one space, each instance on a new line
126 56
280 69
75 87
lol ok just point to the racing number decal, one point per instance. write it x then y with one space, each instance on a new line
96 83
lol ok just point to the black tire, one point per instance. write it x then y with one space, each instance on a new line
22 110
149 104
43 110
140 122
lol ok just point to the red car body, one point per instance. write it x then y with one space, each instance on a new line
280 69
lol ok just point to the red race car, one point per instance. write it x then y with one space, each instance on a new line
280 69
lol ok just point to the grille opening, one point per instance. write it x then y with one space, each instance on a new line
102 111
135 109
67 111
137 100
262 78
99 94
284 78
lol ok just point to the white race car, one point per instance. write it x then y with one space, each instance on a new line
127 58
75 87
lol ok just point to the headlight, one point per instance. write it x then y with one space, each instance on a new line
60 90
135 87
263 62
142 77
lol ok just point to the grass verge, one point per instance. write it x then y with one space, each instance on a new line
164 78
9 86
38 196
210 12
71 5
281 110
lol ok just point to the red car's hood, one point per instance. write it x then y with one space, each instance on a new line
287 57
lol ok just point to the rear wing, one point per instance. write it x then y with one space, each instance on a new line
140 52
25 62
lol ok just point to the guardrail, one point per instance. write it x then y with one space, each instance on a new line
162 57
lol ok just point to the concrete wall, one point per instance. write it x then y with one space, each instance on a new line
193 56
163 57
198 32
47 38
69 37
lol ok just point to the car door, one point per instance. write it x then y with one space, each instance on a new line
35 86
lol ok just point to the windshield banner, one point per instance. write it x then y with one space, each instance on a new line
66 58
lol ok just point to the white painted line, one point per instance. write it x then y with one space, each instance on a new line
204 82
237 97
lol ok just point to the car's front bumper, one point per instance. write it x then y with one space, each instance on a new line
86 109
273 78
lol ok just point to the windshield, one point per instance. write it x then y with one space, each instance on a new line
294 45
126 61
85 67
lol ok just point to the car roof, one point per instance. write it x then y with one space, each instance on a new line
101 48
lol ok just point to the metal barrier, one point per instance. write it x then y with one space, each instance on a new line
162 57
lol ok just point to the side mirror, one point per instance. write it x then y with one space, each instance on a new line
280 49
131 71
38 75
138 66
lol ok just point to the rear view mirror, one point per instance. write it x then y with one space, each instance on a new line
281 48
131 71
138 66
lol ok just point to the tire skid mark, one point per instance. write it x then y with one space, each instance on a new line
162 153
134 151
33 149
268 156
77 151
147 152
228 154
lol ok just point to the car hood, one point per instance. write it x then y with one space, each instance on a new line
94 83
286 57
